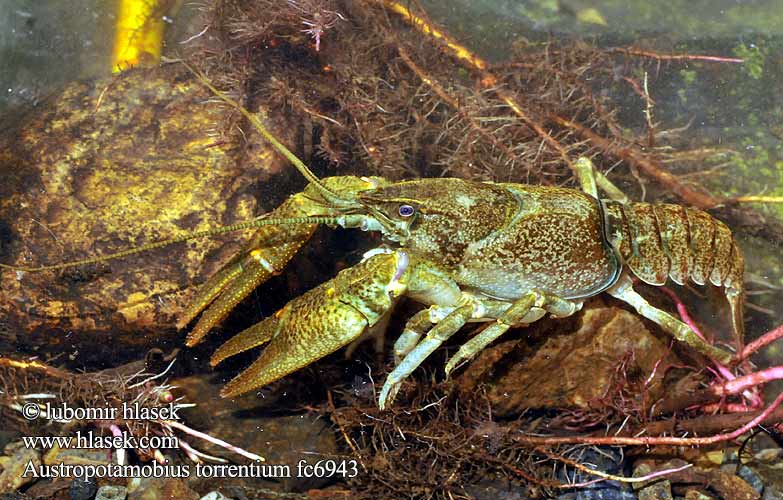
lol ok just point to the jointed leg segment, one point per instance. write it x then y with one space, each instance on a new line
528 309
436 336
591 179
416 327
624 291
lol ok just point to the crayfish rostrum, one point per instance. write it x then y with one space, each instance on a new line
469 251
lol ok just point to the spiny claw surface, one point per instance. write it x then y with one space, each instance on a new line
240 280
208 292
269 253
256 335
318 323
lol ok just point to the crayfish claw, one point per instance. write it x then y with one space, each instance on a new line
208 291
256 335
251 275
316 324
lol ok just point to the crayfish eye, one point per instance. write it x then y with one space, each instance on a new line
406 210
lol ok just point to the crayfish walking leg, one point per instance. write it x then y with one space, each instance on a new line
528 309
624 291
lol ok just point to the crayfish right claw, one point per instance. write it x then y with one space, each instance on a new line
317 323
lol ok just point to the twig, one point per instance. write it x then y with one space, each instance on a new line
153 377
762 342
487 81
627 153
652 441
211 439
677 57
750 380
611 477
706 424
758 199
348 440
198 455
753 397
451 101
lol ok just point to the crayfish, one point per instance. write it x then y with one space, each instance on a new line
502 253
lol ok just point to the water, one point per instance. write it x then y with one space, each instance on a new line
45 44
729 113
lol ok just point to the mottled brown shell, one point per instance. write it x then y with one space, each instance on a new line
661 241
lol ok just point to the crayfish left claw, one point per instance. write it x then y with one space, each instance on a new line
220 294
318 323
273 246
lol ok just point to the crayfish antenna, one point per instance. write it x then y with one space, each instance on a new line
252 224
279 146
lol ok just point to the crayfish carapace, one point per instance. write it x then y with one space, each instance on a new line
469 251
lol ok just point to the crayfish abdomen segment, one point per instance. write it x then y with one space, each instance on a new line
662 241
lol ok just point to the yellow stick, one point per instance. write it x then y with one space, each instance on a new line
138 38
459 51
759 199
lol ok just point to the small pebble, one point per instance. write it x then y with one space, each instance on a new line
752 478
772 493
215 495
13 477
660 490
749 475
12 496
83 490
605 494
697 495
769 455
112 493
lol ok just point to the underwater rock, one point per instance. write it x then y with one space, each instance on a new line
772 476
83 490
696 495
772 494
214 495
76 456
110 164
12 477
165 488
598 493
111 493
576 365
605 459
747 474
51 489
709 480
734 487
651 490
